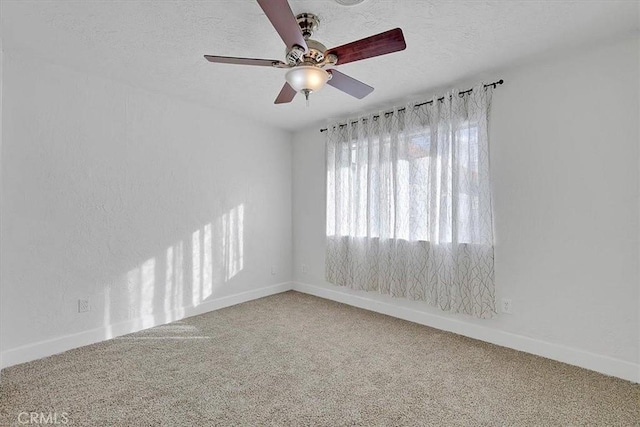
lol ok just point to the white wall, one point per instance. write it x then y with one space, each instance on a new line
104 185
564 158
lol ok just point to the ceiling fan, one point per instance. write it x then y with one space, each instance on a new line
308 60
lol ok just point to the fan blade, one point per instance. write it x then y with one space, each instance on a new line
244 61
286 94
348 84
380 44
282 18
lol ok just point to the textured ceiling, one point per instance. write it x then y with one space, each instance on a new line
159 45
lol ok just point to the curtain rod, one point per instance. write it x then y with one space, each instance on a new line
494 84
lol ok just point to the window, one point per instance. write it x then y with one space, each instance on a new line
409 204
410 198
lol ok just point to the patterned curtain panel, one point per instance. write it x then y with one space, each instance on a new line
409 204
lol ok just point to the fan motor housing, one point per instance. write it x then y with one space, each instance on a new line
314 56
308 23
316 51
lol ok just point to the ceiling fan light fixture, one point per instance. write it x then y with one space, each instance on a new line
306 58
307 78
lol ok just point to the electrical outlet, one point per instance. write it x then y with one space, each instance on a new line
507 306
273 270
83 306
304 268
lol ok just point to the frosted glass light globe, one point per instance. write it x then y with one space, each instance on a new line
307 77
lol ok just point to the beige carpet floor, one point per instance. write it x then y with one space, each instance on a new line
294 359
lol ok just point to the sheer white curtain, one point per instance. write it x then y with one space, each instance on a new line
409 203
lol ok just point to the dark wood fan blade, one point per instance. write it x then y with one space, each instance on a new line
286 94
348 84
380 44
282 18
244 61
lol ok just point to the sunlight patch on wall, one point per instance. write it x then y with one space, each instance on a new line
173 303
232 230
217 256
148 281
207 266
133 293
178 271
168 286
141 282
217 253
195 276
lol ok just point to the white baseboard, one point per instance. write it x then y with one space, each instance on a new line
573 356
56 345
599 363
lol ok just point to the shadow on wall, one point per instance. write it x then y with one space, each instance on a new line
191 271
